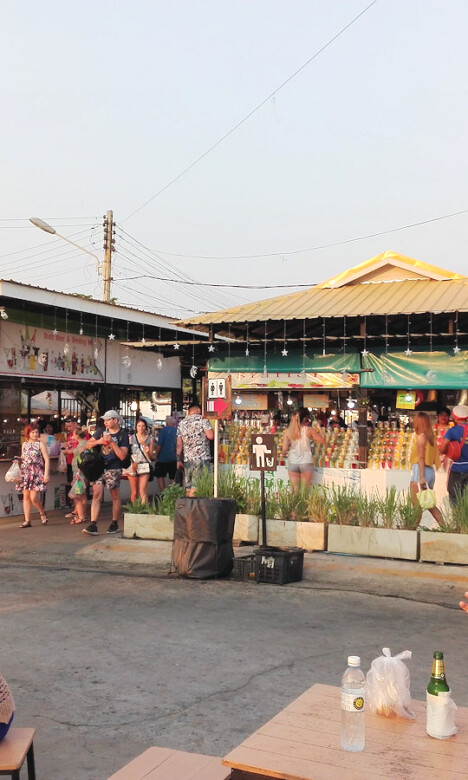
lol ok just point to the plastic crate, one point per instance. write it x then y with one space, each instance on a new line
244 568
279 566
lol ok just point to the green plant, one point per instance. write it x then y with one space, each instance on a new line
137 507
344 505
455 516
232 486
408 516
387 507
204 483
368 510
168 500
318 504
291 505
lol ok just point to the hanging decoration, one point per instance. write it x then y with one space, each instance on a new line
126 360
344 335
247 350
228 372
430 332
143 340
55 331
386 334
211 346
265 369
96 343
456 348
303 372
324 337
193 369
159 363
111 335
284 351
365 352
408 350
66 347
176 345
81 323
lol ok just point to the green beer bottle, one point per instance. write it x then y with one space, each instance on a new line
437 683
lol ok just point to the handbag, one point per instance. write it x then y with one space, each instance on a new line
14 472
455 447
427 498
150 465
62 463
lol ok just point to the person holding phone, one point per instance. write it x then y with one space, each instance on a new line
114 442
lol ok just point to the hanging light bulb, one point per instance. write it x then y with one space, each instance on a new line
289 401
351 404
238 400
408 397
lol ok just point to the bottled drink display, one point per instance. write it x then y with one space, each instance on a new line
353 685
438 681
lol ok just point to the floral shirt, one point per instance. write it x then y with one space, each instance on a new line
192 432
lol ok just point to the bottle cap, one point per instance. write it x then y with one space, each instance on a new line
438 654
354 660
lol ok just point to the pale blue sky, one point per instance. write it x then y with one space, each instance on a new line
105 102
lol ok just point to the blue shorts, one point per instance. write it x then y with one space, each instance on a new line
429 475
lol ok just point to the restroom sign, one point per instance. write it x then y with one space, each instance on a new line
216 398
263 452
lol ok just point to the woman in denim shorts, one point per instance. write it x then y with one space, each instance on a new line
424 459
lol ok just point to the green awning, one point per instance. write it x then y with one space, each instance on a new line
441 370
294 362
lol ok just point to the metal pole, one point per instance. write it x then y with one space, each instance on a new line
108 247
216 458
262 483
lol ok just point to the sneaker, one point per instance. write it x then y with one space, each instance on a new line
91 529
113 528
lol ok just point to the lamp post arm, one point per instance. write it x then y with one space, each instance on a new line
78 246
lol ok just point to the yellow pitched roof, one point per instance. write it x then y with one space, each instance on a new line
402 268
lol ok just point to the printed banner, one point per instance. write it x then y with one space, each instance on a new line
28 351
289 381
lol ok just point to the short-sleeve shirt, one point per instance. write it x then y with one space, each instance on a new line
459 466
167 440
192 432
121 438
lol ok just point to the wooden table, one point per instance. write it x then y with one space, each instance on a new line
302 742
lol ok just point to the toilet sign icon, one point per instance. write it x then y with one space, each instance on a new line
262 452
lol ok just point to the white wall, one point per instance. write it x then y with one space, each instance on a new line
143 369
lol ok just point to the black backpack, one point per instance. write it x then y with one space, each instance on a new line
91 464
128 458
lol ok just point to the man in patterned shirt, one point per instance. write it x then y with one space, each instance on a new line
193 437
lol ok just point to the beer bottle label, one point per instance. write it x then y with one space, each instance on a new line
438 669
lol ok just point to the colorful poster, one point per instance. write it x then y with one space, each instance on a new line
28 351
289 381
406 399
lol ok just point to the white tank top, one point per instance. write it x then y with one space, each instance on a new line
300 451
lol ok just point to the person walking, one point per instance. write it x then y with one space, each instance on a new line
138 472
297 441
458 477
424 459
71 426
78 490
34 474
193 437
166 453
114 443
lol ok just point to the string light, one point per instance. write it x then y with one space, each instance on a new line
247 351
408 350
111 335
284 351
456 348
364 352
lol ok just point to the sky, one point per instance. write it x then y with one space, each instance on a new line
106 104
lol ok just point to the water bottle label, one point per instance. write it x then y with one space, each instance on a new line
352 702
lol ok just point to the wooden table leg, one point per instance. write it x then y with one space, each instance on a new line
31 764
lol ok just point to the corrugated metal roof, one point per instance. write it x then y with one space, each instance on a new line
357 300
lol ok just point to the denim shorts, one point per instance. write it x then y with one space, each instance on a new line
429 475
300 468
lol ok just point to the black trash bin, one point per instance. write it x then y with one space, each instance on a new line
203 529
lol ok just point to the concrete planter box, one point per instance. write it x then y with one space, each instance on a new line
288 533
377 542
246 529
438 547
159 527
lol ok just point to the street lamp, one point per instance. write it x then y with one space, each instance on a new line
39 223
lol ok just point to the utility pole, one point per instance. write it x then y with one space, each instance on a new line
109 247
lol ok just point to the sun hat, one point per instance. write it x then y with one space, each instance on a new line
460 411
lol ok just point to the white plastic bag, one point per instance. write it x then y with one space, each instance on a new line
62 463
14 472
388 685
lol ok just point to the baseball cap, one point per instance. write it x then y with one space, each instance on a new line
460 411
111 415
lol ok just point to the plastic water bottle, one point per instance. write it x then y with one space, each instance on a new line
353 685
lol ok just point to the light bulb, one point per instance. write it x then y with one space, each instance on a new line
133 406
408 397
238 400
351 403
289 401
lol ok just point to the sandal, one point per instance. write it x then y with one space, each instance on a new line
77 521
26 524
44 519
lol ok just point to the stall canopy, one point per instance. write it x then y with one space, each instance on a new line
441 370
295 362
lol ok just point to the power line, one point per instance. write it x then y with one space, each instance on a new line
252 112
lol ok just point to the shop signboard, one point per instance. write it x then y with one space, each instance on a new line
316 400
35 352
216 398
255 402
289 381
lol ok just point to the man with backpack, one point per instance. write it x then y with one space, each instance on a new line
114 443
455 446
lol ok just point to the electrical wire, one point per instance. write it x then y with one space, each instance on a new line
252 112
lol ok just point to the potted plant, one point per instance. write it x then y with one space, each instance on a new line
449 544
154 520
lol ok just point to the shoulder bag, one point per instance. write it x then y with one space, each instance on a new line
151 467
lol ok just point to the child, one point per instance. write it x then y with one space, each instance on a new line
78 487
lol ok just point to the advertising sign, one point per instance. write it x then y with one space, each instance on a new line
406 399
36 352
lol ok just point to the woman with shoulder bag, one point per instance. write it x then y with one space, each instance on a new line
34 474
140 469
424 459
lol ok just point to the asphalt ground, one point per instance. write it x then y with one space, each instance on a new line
107 655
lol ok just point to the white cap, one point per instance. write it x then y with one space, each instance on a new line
354 660
460 412
111 415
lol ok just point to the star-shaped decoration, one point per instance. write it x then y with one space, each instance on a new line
81 331
111 337
176 346
247 351
284 352
408 352
456 350
55 332
365 353
211 348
